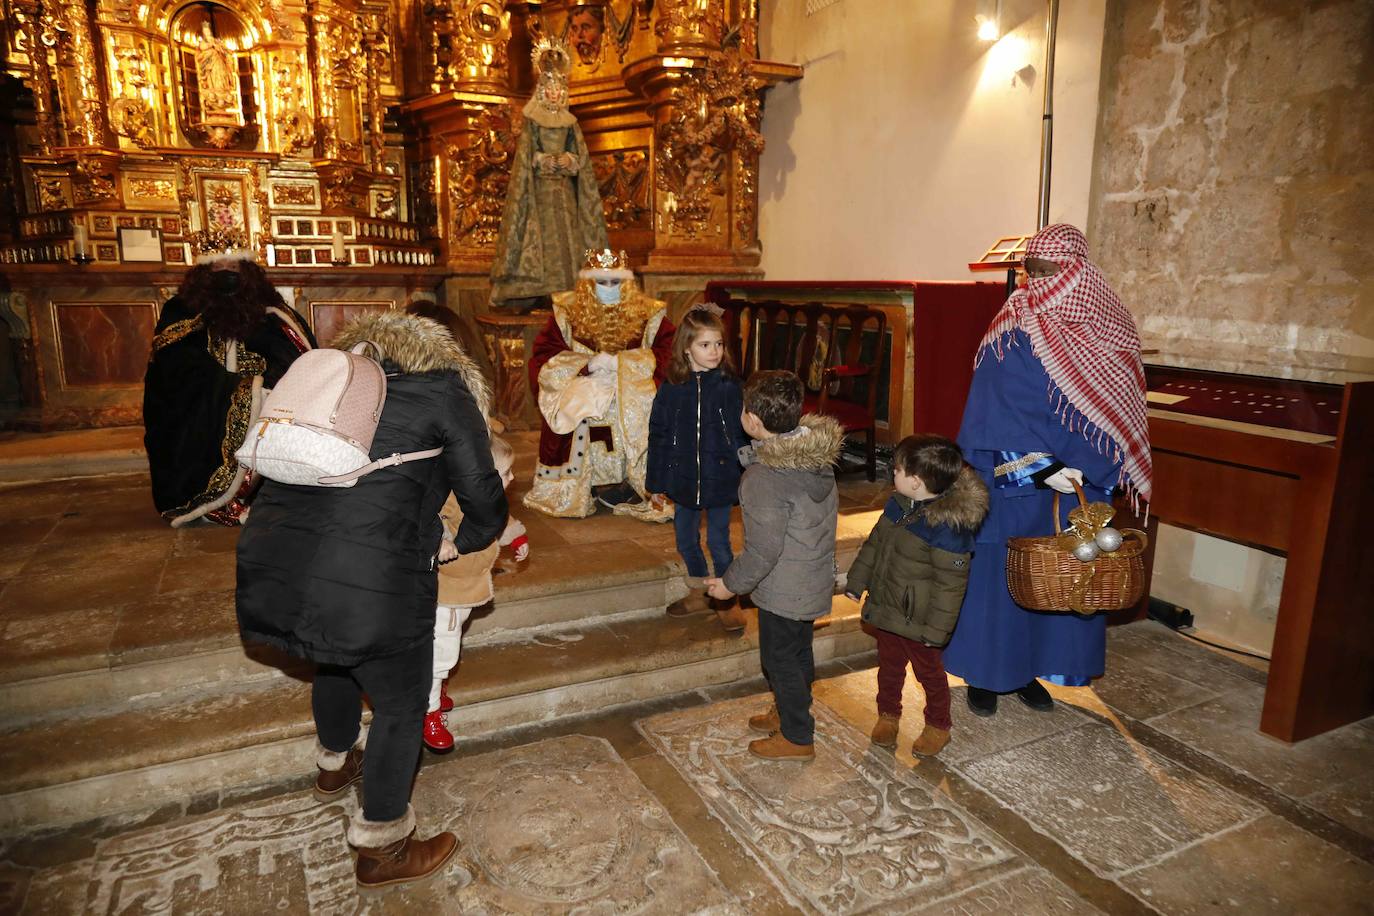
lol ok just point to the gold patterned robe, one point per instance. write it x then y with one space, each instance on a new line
594 427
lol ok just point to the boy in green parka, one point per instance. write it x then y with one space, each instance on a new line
914 567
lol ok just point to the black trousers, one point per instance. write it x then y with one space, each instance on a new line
398 688
789 666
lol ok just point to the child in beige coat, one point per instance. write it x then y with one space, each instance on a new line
464 584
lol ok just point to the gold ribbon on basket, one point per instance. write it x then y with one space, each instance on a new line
1084 524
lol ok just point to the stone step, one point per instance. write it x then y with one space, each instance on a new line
189 640
258 732
184 639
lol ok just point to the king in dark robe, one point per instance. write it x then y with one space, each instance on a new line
221 343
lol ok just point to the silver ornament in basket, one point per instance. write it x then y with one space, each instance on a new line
1108 540
1086 551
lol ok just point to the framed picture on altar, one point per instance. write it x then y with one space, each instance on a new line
140 245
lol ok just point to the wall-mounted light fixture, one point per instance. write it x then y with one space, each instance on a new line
989 19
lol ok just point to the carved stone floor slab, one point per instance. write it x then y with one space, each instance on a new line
548 827
1114 804
849 832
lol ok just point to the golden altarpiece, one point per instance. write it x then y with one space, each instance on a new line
361 146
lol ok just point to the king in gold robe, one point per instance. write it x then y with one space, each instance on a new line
596 367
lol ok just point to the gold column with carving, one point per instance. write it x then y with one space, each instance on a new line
322 71
31 21
86 96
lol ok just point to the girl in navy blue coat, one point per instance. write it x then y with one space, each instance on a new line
694 440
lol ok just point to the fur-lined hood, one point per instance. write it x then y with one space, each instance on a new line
411 344
962 507
814 446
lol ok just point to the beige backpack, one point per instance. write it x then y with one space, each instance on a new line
317 426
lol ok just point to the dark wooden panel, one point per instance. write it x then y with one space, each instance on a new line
1234 502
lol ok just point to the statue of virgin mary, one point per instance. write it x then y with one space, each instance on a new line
553 208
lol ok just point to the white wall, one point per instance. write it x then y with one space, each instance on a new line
909 146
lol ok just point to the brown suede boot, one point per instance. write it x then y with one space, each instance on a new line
729 613
776 747
389 854
337 771
930 742
885 732
696 602
766 722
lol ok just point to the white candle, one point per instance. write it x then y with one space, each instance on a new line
340 253
271 255
81 246
193 215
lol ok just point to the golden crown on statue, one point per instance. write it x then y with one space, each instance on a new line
549 50
218 240
606 260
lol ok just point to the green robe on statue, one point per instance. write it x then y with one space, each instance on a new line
553 210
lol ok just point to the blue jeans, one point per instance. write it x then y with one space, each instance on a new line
687 525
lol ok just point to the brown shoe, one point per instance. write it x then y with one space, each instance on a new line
766 722
776 747
729 613
696 602
400 860
930 742
330 784
885 732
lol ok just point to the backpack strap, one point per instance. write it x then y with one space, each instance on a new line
389 461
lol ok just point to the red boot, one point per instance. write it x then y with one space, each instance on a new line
436 734
445 701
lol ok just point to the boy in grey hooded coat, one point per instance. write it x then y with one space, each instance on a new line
790 506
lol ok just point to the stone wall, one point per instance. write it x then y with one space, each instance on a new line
1233 195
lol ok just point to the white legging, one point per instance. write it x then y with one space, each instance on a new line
448 645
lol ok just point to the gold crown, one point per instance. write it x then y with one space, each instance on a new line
549 45
606 260
218 240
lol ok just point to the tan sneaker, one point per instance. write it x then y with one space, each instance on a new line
885 732
930 742
696 602
729 613
766 722
776 747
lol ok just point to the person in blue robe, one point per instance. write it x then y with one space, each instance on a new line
1028 432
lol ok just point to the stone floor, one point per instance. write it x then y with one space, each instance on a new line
1149 792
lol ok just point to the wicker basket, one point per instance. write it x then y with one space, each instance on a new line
1043 577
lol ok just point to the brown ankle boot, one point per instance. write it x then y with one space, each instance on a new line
776 747
386 859
930 742
885 732
766 722
696 602
337 771
729 614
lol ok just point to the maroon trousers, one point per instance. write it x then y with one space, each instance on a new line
894 653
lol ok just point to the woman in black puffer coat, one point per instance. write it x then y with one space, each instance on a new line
346 578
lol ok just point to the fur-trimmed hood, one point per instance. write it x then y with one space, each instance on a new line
962 507
813 446
411 344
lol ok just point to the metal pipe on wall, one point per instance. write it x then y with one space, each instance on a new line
1047 116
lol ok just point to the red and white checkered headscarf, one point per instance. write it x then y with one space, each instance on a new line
1087 342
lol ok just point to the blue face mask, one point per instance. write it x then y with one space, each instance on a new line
607 293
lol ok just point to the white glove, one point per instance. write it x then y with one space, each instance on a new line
602 362
1059 480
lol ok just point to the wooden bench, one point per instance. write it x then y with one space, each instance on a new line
825 346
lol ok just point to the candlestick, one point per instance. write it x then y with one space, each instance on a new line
81 244
340 253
